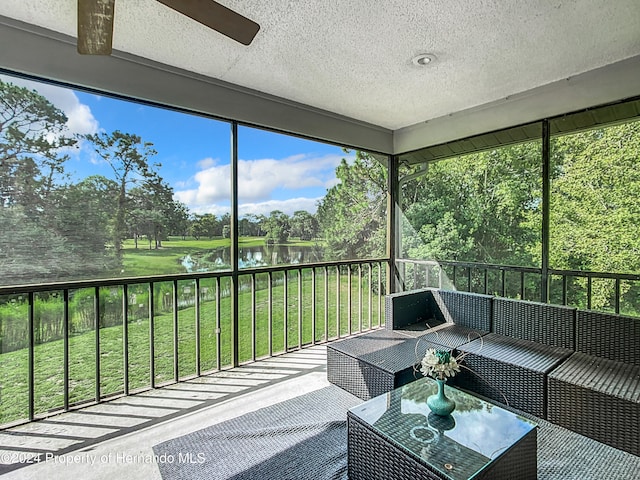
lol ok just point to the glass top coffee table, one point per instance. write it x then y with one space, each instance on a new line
395 436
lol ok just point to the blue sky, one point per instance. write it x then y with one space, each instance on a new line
276 172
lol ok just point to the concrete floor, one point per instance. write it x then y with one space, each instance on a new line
114 440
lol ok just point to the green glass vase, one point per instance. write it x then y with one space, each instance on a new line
439 403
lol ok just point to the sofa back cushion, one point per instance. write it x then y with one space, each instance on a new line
606 335
552 325
472 310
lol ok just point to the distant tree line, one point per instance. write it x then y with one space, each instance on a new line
276 228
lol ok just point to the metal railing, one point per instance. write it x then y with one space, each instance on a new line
604 291
65 345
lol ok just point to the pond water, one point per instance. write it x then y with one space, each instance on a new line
250 257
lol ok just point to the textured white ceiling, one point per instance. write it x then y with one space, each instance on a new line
353 57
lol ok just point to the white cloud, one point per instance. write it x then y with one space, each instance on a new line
287 206
263 208
189 198
213 186
207 163
217 210
258 179
80 119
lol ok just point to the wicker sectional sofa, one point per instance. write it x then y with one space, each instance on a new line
579 369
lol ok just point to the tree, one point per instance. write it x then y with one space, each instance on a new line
277 227
486 207
244 227
38 216
82 214
304 225
352 215
595 214
32 133
206 225
152 212
30 259
197 228
255 223
483 207
141 215
223 227
128 156
160 197
180 221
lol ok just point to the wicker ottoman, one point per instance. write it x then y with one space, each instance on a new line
375 363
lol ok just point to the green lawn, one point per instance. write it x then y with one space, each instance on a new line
166 260
48 357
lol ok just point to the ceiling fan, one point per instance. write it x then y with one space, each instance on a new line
95 22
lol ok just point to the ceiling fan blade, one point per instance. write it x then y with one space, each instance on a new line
95 26
218 17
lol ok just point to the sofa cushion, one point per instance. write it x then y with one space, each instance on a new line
514 351
552 325
602 375
471 310
452 336
610 336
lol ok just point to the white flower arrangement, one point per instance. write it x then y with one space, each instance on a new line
439 364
